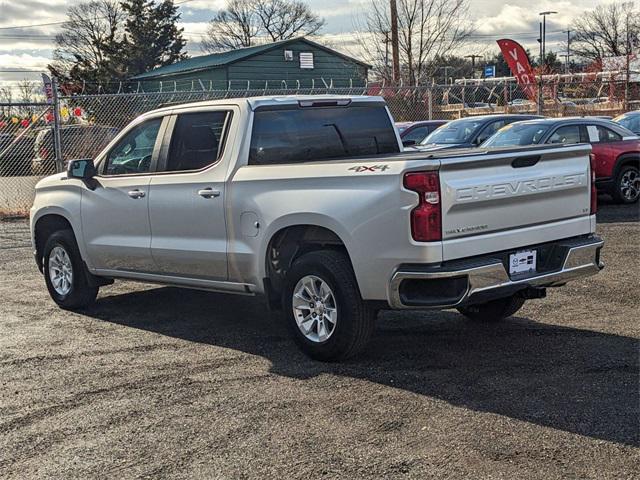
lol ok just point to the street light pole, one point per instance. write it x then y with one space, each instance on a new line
544 34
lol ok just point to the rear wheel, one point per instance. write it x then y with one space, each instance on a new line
494 310
65 273
323 307
627 185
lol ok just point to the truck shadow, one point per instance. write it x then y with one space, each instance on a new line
579 381
610 212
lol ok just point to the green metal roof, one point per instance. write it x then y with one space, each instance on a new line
215 60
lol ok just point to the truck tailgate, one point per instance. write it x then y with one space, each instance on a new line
497 200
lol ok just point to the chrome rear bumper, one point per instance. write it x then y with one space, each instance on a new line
475 282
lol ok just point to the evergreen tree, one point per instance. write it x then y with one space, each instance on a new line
152 38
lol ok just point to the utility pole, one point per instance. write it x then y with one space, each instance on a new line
386 51
395 50
473 63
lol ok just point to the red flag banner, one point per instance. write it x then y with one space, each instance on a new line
518 62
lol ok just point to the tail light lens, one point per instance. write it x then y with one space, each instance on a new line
426 218
594 190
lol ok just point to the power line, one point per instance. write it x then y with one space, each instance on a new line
49 24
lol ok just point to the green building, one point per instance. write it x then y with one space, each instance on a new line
294 63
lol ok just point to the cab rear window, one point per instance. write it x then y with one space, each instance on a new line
304 134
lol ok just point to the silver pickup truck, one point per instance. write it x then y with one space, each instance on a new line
310 202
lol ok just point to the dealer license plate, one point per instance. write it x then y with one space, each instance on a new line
524 261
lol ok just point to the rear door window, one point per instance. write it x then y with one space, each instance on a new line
197 140
607 135
303 134
566 134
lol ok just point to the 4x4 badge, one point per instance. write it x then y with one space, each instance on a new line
370 168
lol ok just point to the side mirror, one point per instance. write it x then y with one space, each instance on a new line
83 169
408 143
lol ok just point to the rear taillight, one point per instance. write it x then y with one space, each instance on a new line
426 218
594 190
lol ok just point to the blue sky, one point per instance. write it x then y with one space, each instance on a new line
31 48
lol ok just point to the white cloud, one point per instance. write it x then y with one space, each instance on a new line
24 61
204 5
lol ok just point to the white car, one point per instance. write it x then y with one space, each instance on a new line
309 201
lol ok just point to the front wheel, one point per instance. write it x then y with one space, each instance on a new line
494 310
627 185
323 307
65 274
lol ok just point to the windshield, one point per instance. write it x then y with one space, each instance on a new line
517 134
631 122
458 131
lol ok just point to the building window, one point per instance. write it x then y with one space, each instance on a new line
306 60
288 55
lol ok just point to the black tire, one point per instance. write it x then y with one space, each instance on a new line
80 294
494 310
619 193
355 319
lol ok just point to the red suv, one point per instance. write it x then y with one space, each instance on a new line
616 149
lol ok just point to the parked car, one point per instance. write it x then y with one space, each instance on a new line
317 209
521 101
78 141
630 121
414 132
468 132
15 154
616 150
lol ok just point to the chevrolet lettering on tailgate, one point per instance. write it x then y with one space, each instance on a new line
521 187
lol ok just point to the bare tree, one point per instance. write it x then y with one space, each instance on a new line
284 19
28 91
249 22
235 27
6 95
602 32
88 40
428 30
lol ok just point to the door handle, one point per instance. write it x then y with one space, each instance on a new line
208 193
136 193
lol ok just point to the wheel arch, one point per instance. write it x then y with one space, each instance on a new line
290 242
43 227
624 159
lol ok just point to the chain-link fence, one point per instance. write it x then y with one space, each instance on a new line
86 123
22 127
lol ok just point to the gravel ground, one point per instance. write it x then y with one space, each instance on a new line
164 383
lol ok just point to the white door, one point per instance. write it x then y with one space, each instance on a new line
115 210
186 198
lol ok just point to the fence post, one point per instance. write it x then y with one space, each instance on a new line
57 145
540 109
430 100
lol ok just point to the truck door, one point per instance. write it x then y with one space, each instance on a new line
115 214
186 200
